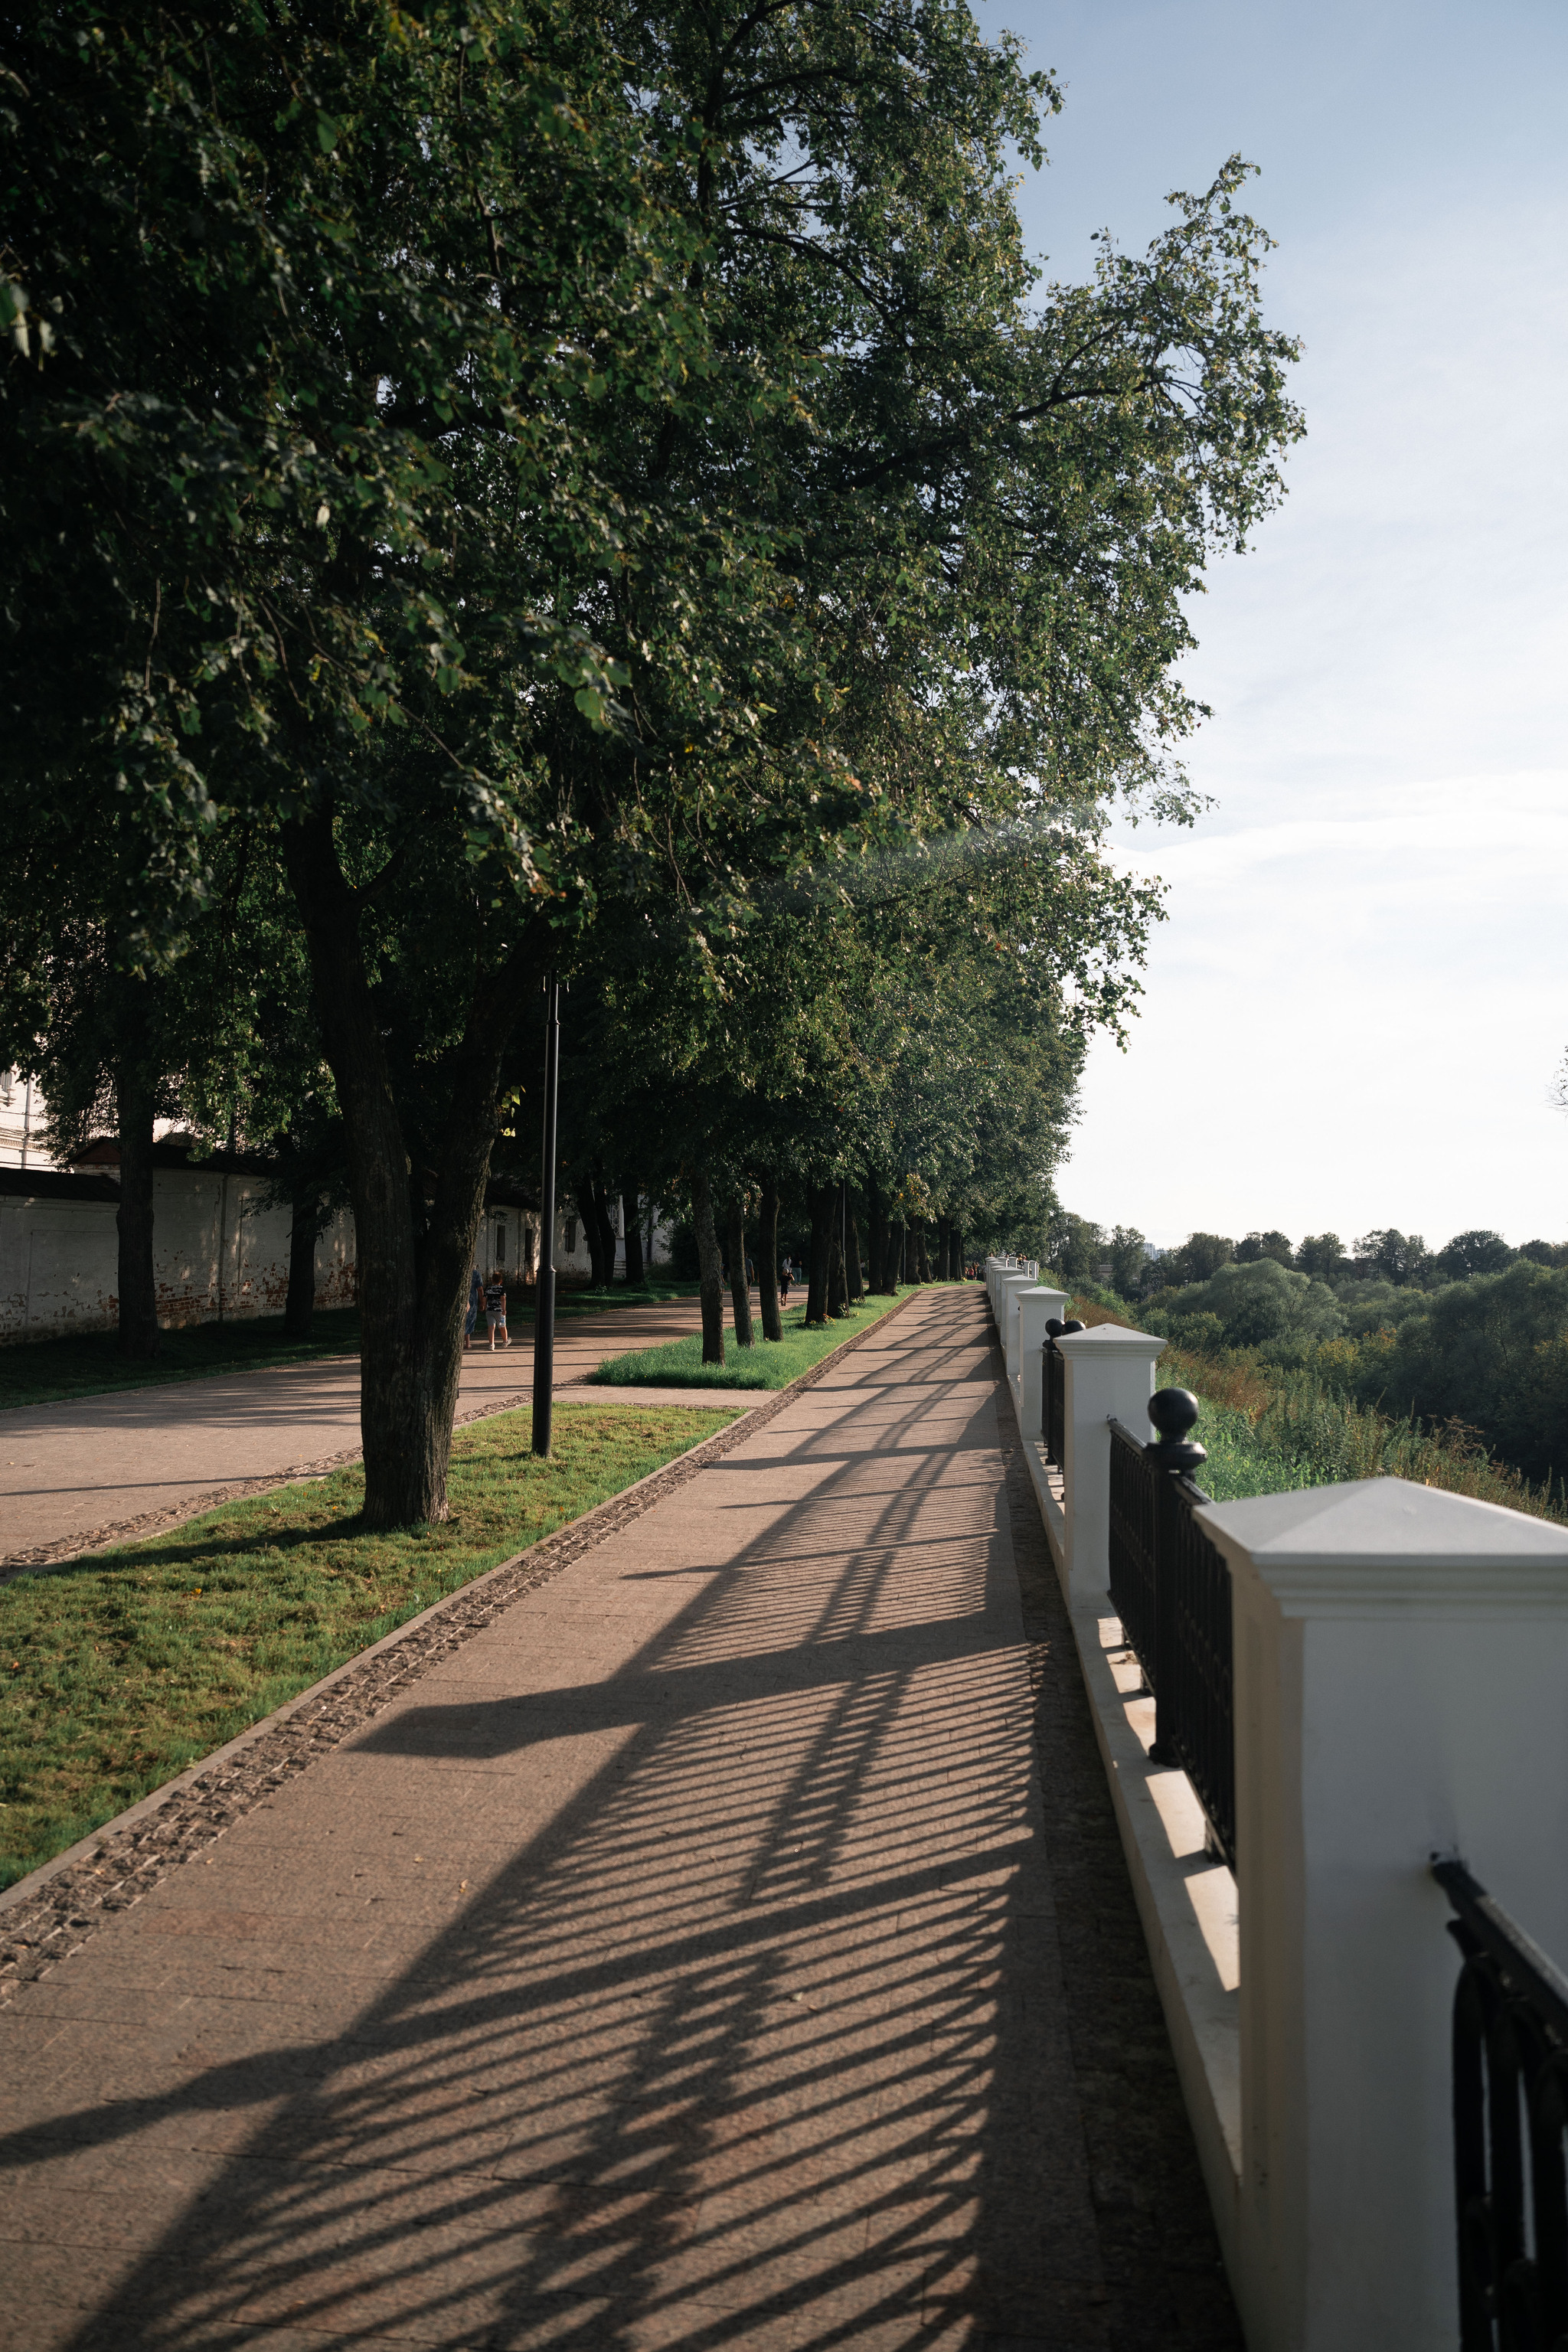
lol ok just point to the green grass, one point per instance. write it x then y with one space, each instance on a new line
88 1364
771 1364
118 1669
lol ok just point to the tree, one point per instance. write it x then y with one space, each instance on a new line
1322 1254
1479 1251
1259 1303
1129 1254
1259 1245
1392 1255
1199 1256
563 504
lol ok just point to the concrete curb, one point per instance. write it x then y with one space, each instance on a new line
52 1911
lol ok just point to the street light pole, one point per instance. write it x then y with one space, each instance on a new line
544 1291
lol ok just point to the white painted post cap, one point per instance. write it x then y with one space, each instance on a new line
1371 1543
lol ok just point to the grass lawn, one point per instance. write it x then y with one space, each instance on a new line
771 1364
119 1669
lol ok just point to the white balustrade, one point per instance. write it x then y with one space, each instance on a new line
1037 1307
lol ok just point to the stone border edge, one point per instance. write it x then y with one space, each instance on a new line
52 1912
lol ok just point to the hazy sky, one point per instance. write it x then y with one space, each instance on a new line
1354 1013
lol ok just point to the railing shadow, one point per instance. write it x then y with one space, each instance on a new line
758 2039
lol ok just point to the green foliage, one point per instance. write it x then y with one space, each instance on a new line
1259 1304
530 487
1491 1355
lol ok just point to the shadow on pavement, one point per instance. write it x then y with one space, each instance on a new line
761 2041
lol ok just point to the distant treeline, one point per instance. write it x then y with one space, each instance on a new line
1470 1342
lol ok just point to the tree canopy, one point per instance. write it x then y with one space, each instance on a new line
539 488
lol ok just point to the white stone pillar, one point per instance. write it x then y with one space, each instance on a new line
1109 1377
1400 1670
1007 1316
1035 1308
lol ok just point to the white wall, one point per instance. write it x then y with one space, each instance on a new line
215 1251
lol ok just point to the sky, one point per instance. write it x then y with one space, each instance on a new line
1354 1013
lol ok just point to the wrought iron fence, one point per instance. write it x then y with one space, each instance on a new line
1170 1588
1053 1404
1511 2115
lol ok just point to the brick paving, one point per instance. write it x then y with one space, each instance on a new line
684 1959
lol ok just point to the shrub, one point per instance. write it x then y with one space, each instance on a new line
1261 1303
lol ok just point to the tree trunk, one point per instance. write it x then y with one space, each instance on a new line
768 1260
922 1263
412 1277
303 1234
528 1272
876 1230
709 1269
822 1198
635 1272
856 1283
740 1292
607 1235
957 1251
836 1303
893 1266
134 1100
941 1249
593 1232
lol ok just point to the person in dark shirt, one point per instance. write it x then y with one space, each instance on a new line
495 1309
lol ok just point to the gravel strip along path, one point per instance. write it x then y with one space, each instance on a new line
53 1911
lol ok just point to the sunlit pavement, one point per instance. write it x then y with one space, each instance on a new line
686 1960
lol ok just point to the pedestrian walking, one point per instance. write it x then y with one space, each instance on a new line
495 1309
476 1292
786 1275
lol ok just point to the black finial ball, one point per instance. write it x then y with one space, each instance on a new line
1070 1325
1055 1327
1172 1411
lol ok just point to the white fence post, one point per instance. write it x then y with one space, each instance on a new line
1035 1310
1401 1688
1109 1377
1013 1285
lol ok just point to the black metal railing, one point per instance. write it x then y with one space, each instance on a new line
1511 2113
1170 1588
1054 1393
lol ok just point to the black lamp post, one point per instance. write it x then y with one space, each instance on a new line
544 1293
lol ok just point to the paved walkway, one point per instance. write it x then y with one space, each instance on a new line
685 1959
89 1466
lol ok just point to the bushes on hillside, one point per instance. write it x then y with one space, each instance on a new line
1260 1304
1491 1353
1480 1366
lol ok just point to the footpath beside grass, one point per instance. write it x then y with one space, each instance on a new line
89 1364
118 1669
770 1364
43 1371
